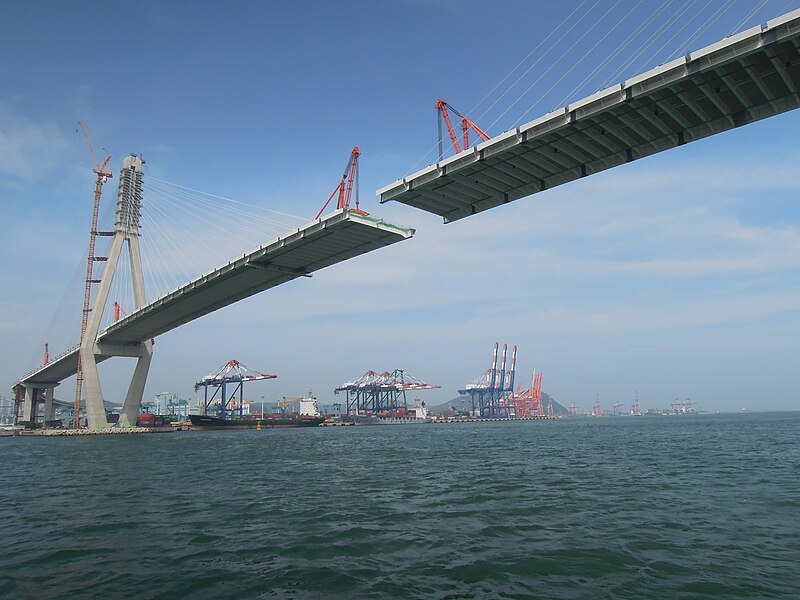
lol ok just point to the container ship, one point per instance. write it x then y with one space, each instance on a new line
400 416
209 422
309 416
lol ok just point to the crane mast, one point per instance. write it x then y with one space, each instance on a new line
103 175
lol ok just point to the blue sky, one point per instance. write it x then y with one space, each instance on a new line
677 276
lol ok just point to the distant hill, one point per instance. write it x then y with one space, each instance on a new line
461 404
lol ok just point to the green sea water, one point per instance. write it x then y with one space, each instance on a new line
630 507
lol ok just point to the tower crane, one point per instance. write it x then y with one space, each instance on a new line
345 187
466 124
103 175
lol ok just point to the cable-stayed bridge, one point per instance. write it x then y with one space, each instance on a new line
746 77
336 237
742 79
321 243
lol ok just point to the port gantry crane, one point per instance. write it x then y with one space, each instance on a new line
103 175
345 187
373 393
528 403
490 394
466 124
232 372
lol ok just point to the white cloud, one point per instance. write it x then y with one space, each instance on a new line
29 148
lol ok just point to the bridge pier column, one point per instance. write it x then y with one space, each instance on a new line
49 409
19 400
95 409
29 406
35 394
133 399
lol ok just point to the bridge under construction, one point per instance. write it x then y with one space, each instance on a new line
325 241
742 79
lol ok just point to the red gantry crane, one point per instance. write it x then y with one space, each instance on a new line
345 187
528 403
466 124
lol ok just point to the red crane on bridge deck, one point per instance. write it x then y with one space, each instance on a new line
466 124
117 310
345 186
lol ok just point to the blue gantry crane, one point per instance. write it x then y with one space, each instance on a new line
491 394
233 373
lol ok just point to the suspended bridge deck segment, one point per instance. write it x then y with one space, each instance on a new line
332 239
741 79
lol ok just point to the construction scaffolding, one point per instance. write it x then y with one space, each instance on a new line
374 393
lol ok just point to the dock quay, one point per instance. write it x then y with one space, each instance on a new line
109 431
495 419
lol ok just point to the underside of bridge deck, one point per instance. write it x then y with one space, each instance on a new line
744 78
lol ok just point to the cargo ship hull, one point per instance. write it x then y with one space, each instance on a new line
208 422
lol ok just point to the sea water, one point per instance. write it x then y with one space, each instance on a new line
689 506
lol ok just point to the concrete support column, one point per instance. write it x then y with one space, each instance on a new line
29 407
49 409
37 392
95 408
133 399
19 399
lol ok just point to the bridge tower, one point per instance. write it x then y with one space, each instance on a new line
126 231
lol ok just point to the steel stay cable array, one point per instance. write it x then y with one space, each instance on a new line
661 31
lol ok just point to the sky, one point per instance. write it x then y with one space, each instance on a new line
677 276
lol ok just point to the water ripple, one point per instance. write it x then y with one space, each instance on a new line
694 507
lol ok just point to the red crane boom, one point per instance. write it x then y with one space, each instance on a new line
345 186
466 124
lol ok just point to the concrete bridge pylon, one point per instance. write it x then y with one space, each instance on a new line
126 232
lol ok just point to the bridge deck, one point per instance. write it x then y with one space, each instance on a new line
321 243
746 77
